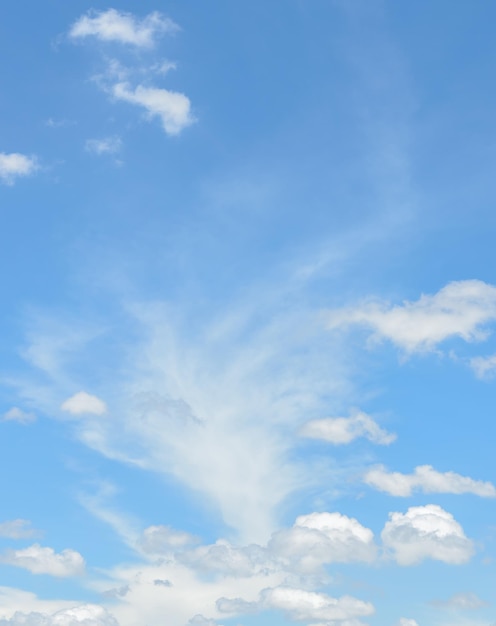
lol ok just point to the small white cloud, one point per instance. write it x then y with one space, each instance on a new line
426 532
461 601
107 145
40 560
83 403
461 309
164 540
321 538
15 165
426 479
18 415
125 28
484 366
173 108
404 621
17 529
344 430
308 606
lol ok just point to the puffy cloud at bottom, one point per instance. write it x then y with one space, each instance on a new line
85 615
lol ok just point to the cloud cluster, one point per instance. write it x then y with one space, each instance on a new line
124 28
84 615
460 309
321 538
15 165
344 430
41 560
303 606
426 532
172 108
426 479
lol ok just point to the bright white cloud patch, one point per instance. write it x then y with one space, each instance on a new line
404 621
172 108
17 529
461 309
321 538
83 403
85 615
40 560
18 415
308 606
425 478
107 145
426 532
15 165
125 28
344 430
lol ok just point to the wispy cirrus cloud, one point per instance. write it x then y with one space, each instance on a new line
121 27
17 529
427 480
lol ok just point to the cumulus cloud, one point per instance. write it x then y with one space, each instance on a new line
164 539
17 529
18 415
15 165
460 309
107 145
460 601
344 430
321 538
85 615
83 403
307 606
172 108
426 479
121 27
426 532
40 560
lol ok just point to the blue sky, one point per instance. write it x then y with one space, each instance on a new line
248 352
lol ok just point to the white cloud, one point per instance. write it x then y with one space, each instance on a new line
40 560
107 145
116 26
404 621
460 309
426 479
173 108
83 403
308 606
200 620
321 538
18 415
344 430
426 532
84 615
484 366
17 529
226 559
461 601
15 165
164 539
